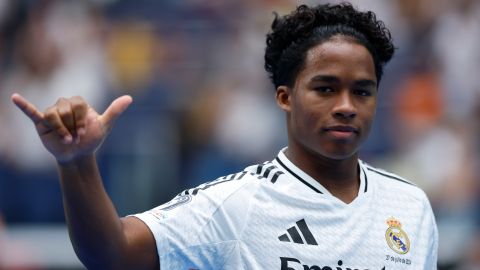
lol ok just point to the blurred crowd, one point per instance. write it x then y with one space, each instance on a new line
203 105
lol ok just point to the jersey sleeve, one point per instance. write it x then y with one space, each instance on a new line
432 257
198 217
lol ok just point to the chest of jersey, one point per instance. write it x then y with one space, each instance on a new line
286 231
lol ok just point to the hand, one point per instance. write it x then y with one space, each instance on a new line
71 128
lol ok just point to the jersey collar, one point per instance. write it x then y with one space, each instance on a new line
284 163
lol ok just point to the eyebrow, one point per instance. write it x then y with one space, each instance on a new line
333 79
325 78
366 83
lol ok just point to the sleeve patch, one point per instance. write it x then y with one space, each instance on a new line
174 203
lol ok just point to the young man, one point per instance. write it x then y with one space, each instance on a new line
314 206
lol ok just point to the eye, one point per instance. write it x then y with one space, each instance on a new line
324 89
363 92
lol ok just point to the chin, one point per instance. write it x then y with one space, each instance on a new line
338 157
339 154
331 151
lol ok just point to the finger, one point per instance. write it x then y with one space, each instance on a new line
53 120
80 109
116 108
64 110
27 108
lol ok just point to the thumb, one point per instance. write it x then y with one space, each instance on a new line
116 108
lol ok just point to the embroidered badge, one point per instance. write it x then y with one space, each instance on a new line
396 238
176 202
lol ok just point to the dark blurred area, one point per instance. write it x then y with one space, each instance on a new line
204 107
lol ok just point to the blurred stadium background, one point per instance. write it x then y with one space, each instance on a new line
203 107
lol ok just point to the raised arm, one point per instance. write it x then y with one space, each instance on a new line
72 131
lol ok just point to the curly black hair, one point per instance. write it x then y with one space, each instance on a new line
293 35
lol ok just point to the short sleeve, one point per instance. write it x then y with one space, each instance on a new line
431 260
197 217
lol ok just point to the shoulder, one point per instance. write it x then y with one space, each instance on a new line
222 186
225 200
393 183
254 175
211 195
227 185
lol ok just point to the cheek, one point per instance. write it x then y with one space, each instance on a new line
373 109
369 114
306 115
299 117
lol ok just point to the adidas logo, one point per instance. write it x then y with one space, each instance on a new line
293 234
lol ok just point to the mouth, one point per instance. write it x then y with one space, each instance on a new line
342 131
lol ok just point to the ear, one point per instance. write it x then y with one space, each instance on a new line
283 97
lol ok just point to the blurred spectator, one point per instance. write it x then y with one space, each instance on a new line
455 40
12 252
57 52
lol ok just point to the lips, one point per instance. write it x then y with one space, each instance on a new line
342 131
342 128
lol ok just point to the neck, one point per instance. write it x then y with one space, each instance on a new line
339 176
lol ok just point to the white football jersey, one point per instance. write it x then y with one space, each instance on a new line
275 216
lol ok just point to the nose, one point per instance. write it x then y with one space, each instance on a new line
344 107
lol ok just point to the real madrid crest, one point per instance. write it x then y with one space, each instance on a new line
396 238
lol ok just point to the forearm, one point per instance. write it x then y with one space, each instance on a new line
94 226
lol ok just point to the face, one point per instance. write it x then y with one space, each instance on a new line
332 103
